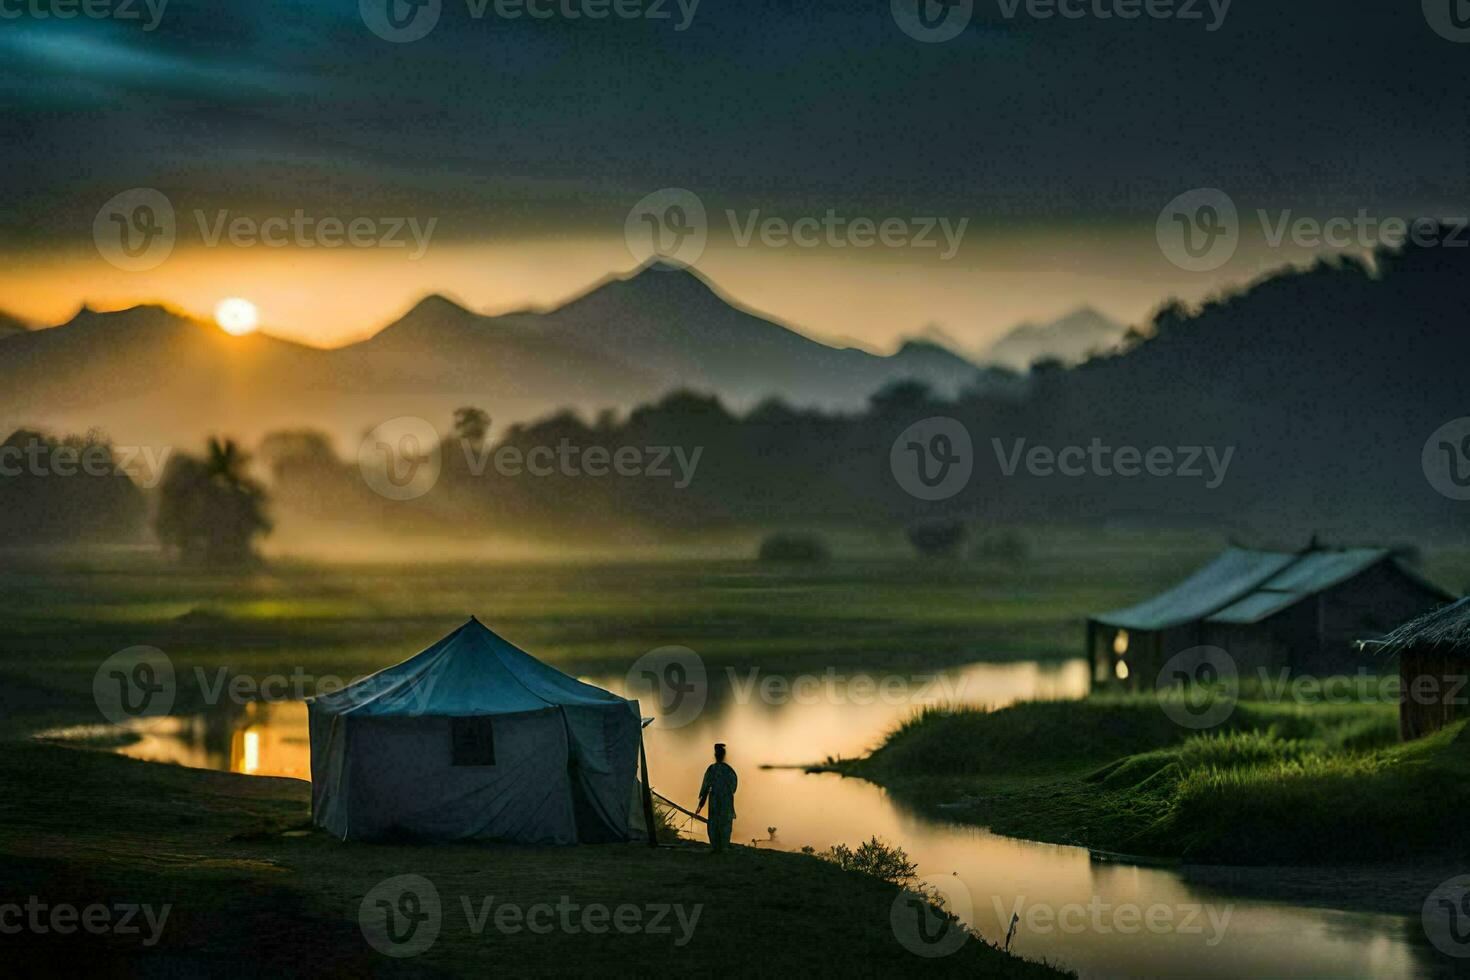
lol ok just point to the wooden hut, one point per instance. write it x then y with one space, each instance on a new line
1302 612
1433 653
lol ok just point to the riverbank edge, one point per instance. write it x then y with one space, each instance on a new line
1065 804
238 851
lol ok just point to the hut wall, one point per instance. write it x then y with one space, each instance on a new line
1264 649
1433 687
1367 605
1142 652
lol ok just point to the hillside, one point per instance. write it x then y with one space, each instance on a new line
1070 339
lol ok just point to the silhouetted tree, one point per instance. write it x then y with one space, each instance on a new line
53 491
209 511
937 539
471 424
900 396
794 548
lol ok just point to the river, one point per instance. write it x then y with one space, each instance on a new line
1100 919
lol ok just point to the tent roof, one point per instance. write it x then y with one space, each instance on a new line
472 671
1235 573
1243 587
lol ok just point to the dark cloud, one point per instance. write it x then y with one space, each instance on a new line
526 124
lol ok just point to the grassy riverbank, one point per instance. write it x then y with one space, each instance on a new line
1273 784
251 894
253 890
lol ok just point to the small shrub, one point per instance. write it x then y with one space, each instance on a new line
873 857
794 548
937 539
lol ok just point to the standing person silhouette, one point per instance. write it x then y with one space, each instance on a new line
719 788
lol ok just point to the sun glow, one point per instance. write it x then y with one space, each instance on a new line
237 316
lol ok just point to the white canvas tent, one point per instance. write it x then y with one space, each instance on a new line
476 739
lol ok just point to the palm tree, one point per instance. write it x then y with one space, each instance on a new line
209 510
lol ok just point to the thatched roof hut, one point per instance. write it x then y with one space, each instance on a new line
1434 663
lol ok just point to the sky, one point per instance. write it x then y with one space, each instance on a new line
518 147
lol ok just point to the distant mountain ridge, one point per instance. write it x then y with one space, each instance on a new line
1069 339
11 325
149 373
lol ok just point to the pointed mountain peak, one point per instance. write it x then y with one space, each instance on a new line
435 304
662 266
429 320
665 277
931 336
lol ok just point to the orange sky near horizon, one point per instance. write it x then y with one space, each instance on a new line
333 297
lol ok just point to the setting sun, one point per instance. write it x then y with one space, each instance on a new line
237 316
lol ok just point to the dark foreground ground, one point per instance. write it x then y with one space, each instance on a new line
250 890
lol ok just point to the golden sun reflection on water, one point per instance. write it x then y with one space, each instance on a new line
998 876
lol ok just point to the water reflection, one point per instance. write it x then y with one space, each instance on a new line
259 738
1097 918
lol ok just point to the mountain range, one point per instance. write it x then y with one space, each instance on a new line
11 325
149 374
1071 340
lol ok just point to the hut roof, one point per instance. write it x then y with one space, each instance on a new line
1235 573
1309 574
1445 630
1242 587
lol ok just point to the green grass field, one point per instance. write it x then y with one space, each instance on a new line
1275 783
58 621
79 824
